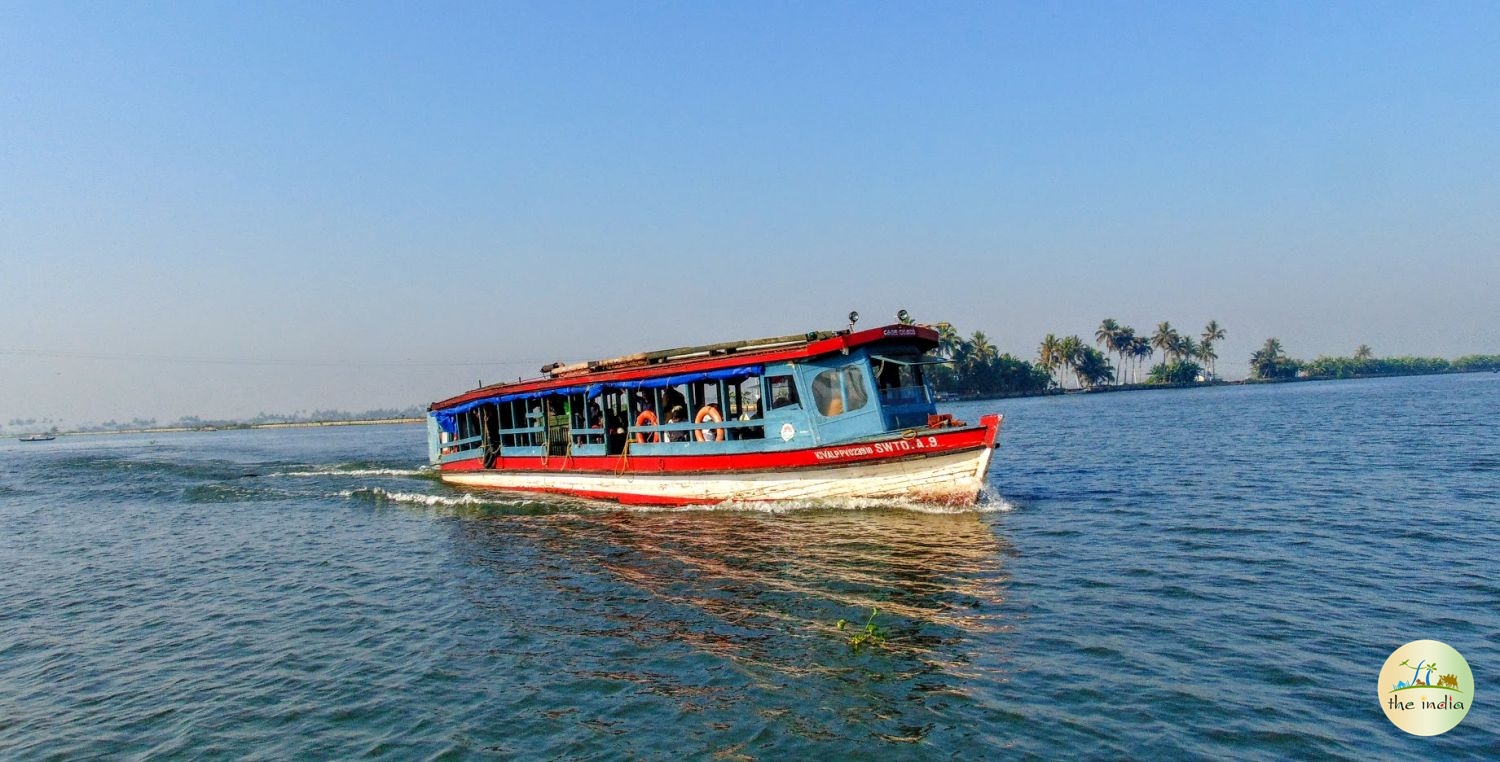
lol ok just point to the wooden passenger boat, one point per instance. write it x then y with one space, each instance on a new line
818 416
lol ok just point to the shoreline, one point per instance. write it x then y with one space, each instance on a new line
1110 389
1194 385
241 427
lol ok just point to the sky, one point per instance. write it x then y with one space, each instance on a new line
218 209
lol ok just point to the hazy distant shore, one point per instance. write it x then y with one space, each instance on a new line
947 397
1105 389
239 427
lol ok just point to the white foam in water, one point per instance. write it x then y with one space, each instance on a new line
356 472
828 504
432 501
991 503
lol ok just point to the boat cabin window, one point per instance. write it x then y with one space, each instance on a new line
556 420
840 390
588 420
742 404
825 391
855 392
900 378
782 392
616 416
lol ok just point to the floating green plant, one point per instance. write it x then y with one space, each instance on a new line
870 635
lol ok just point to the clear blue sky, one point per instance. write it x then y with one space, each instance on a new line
360 204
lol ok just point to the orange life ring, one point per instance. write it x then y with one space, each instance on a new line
646 418
709 413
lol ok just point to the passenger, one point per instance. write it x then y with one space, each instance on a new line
678 415
673 398
749 412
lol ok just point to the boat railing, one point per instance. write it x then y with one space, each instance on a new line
460 449
589 436
754 429
528 436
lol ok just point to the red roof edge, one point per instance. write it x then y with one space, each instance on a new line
919 334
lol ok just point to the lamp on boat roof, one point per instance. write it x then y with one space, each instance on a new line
853 318
903 317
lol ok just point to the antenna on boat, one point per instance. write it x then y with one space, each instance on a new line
853 318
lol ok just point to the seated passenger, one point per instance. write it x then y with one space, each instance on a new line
678 415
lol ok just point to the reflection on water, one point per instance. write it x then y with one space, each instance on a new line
749 602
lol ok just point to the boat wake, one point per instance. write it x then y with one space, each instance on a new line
832 504
354 471
507 502
377 494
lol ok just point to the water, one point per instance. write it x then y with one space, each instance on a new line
1216 572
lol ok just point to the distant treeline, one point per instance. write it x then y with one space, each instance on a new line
976 368
195 422
1271 363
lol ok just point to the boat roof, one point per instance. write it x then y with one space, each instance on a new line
699 359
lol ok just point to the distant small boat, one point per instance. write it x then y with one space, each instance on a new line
38 437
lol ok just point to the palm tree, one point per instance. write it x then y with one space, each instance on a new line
1165 339
1092 367
1140 349
1212 333
1070 348
1364 352
1187 349
1049 354
1264 363
1106 334
948 339
981 352
1207 354
1123 340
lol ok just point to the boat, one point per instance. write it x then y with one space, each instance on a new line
38 437
819 416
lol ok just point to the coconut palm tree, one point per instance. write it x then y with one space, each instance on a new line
1364 352
1106 334
1121 344
1049 355
1070 348
1140 349
948 339
1207 354
1212 334
981 352
1165 338
1266 360
1092 367
1187 349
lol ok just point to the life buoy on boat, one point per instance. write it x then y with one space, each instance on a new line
709 413
646 418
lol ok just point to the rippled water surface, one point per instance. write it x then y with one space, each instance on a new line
1215 572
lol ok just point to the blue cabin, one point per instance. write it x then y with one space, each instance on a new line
756 396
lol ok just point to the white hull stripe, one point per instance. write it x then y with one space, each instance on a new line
952 478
